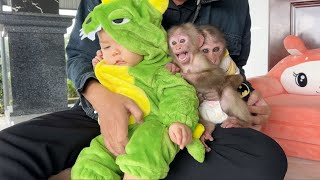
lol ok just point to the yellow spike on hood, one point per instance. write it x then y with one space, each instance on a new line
160 5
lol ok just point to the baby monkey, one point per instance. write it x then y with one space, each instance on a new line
185 42
215 46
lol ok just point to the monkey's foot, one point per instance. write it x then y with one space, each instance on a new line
233 123
207 135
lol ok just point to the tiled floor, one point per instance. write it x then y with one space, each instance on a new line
298 169
301 169
3 123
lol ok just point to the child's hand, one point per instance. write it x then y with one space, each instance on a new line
97 59
172 68
180 134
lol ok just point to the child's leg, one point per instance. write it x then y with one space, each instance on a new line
149 152
96 162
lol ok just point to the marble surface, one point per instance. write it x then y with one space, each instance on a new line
37 61
36 6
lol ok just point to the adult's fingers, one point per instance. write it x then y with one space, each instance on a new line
260 110
135 111
109 147
259 119
115 141
254 97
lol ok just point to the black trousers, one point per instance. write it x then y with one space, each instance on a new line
48 144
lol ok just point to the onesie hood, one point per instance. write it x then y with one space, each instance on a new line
135 24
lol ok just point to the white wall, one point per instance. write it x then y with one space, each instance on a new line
258 60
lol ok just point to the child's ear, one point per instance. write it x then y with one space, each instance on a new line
200 40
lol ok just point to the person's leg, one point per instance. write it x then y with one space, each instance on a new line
45 145
241 154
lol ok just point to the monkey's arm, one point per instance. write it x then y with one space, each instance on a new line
242 58
206 81
178 99
234 80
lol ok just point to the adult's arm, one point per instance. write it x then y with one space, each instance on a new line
242 59
80 52
256 103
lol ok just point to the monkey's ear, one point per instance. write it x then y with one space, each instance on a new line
200 40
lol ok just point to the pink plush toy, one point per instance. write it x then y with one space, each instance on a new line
300 72
292 90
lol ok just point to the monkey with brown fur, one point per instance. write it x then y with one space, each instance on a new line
208 78
215 46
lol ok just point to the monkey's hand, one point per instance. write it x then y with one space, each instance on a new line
173 68
207 134
97 59
233 122
180 134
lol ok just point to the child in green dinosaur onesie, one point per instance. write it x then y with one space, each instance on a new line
134 47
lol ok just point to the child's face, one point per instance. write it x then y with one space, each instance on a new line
115 54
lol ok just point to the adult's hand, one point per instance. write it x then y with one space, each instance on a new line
258 106
114 111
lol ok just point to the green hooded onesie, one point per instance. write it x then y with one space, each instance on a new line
164 98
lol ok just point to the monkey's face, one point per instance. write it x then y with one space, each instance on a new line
213 50
180 47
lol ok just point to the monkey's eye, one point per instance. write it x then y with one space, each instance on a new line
182 41
174 42
216 49
301 79
205 50
120 21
